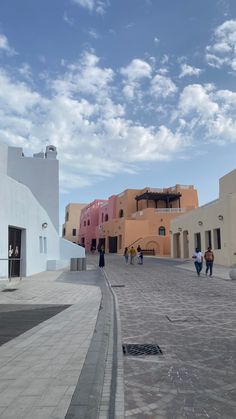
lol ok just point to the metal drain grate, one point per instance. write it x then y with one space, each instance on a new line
118 286
137 349
9 289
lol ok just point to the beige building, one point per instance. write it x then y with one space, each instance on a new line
213 224
70 228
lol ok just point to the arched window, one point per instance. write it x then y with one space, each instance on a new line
88 222
162 231
106 217
121 213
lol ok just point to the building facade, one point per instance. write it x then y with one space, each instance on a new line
213 224
71 226
29 214
141 217
88 224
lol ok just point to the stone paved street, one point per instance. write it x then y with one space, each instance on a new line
193 320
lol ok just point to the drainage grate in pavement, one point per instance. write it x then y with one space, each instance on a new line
118 286
9 289
145 349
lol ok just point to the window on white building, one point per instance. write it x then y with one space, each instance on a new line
40 244
74 232
45 245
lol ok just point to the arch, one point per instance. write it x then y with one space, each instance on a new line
106 217
88 222
153 245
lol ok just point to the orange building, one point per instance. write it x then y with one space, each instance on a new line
142 217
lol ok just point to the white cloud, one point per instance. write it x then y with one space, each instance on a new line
187 70
85 116
195 98
99 6
222 50
68 19
136 70
162 86
4 45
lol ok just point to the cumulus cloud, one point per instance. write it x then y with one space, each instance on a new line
84 113
137 70
99 6
222 50
134 73
4 45
187 70
207 115
162 86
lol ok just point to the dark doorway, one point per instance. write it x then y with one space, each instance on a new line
101 242
14 246
113 244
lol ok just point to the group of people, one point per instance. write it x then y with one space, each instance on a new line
198 260
129 254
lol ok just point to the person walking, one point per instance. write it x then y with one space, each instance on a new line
139 255
209 258
132 253
126 255
198 258
101 257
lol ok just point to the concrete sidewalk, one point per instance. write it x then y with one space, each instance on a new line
39 369
219 271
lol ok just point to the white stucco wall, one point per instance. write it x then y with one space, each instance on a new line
20 209
41 176
208 218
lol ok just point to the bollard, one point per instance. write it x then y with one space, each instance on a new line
73 264
79 264
84 264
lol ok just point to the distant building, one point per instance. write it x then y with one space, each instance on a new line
88 223
213 224
29 214
70 228
138 217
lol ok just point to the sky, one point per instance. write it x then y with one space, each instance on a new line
133 93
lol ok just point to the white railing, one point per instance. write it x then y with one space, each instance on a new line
170 210
156 190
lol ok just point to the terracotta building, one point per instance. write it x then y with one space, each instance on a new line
139 217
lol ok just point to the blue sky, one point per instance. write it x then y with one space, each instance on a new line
133 93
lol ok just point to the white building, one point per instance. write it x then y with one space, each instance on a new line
29 214
213 224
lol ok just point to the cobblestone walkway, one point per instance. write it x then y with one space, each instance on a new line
193 320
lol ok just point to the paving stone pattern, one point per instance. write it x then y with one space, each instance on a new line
193 320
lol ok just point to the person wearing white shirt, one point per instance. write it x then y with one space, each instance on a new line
198 258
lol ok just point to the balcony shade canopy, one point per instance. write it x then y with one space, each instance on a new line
159 196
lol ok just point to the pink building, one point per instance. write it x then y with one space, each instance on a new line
89 221
107 212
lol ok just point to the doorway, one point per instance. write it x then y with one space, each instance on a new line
112 244
14 252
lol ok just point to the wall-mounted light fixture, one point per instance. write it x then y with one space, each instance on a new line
44 225
179 229
200 223
220 217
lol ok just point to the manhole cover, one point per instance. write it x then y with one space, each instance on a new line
137 349
9 289
117 286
